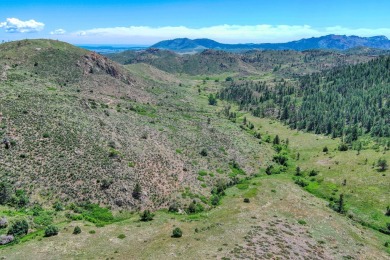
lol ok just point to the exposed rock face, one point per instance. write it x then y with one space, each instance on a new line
95 63
5 239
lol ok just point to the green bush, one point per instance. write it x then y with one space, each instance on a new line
5 193
215 200
137 192
76 230
174 207
121 236
313 173
343 147
203 152
301 182
19 228
147 216
202 173
302 222
177 232
58 206
51 231
194 208
96 214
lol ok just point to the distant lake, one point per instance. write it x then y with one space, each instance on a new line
105 49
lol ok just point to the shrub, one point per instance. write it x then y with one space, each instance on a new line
76 230
131 164
96 214
301 182
58 206
343 147
5 193
113 153
137 192
212 100
219 188
280 159
194 208
20 199
92 232
313 173
276 140
105 184
147 216
302 222
121 236
177 232
203 152
382 164
174 207
202 173
268 171
51 231
3 222
19 228
215 200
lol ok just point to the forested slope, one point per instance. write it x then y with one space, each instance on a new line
348 101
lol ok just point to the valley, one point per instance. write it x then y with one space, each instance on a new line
85 131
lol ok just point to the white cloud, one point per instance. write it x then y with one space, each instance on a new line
14 25
58 32
224 33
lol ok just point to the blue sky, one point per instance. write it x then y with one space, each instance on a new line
148 21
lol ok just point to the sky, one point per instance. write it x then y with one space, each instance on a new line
229 21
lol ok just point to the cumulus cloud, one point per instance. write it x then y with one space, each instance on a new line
225 33
14 25
58 32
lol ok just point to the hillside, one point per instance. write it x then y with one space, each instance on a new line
92 144
334 42
83 128
344 102
285 63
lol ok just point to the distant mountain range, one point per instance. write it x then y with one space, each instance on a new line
335 42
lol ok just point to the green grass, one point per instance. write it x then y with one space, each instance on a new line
365 187
230 217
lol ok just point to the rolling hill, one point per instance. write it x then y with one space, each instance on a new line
287 63
84 128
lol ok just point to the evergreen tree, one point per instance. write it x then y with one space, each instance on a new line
137 192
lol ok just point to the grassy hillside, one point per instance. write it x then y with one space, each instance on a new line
281 220
93 129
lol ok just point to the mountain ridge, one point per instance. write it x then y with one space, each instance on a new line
331 41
